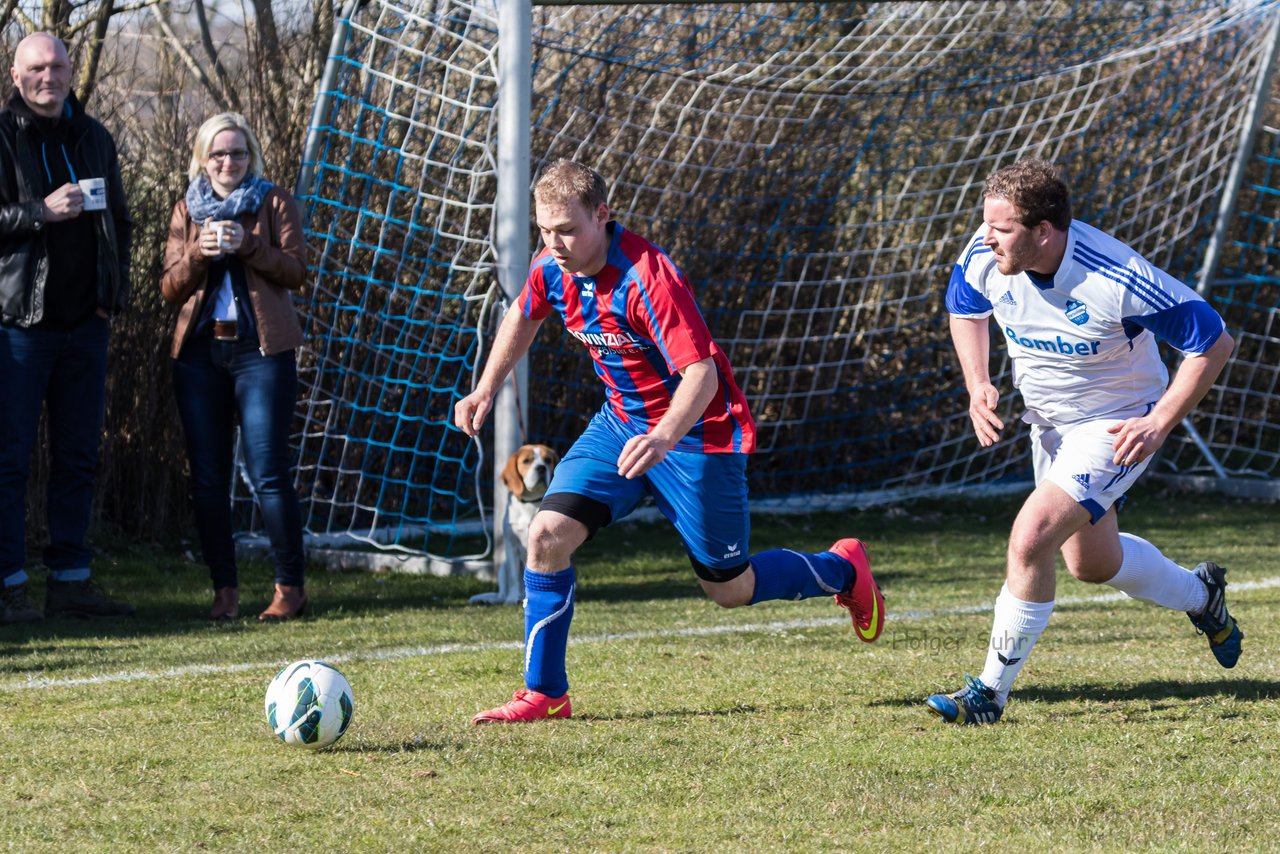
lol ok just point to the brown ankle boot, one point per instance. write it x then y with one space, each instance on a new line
226 604
289 602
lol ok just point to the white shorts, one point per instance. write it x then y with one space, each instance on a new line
1078 459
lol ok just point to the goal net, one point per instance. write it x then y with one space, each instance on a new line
1240 418
814 168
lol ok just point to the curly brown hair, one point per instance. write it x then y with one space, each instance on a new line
1035 189
568 179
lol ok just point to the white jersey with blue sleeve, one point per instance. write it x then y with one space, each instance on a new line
1083 342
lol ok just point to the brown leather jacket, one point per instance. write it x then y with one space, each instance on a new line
274 266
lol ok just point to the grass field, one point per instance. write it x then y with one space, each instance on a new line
695 729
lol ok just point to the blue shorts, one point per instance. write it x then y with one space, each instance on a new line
704 495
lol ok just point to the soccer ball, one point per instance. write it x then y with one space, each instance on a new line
309 704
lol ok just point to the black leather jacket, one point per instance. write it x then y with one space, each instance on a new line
23 245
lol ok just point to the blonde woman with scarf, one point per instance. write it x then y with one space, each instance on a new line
233 260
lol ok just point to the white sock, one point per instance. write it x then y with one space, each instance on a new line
1014 631
1146 574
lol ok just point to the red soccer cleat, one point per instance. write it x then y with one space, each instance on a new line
526 706
864 600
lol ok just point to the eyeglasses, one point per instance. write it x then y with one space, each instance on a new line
236 154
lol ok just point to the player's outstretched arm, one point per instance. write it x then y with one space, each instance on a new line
1139 438
972 340
698 385
515 336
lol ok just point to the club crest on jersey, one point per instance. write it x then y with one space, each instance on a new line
1077 312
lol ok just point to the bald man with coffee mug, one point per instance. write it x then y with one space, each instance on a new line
64 271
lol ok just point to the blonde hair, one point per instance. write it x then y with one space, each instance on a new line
565 180
216 125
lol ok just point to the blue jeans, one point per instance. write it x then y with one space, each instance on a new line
65 370
215 383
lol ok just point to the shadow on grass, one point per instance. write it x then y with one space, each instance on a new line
173 601
656 714
638 590
1155 691
1248 690
420 744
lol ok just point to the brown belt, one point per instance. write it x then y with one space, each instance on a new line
226 330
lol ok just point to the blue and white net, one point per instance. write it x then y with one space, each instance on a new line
814 168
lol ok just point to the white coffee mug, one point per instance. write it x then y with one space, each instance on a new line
95 193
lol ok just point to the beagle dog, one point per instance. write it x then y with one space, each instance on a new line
526 475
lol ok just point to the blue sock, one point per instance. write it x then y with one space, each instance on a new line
548 610
784 574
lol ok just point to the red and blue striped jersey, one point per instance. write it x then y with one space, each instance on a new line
638 319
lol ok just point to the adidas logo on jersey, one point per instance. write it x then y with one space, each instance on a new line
1082 479
1007 299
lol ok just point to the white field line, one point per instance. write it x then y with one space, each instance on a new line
39 682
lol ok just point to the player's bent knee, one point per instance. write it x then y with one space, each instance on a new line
729 594
726 598
728 587
1093 573
551 547
1025 550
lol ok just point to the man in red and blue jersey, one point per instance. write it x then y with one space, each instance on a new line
674 425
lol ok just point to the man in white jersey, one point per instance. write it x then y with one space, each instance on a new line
1080 313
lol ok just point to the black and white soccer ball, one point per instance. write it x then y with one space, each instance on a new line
309 704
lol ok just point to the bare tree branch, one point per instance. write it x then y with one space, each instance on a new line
225 96
321 34
28 25
219 69
269 56
56 17
93 49
86 23
6 14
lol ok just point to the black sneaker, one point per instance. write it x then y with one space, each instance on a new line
16 606
1214 621
81 599
975 703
